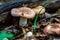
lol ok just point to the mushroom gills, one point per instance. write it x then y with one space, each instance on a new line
22 21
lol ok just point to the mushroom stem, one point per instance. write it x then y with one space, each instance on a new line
22 21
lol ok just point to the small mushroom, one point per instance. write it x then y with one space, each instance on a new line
52 29
29 34
25 13
39 8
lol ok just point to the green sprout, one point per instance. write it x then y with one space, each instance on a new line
38 14
35 21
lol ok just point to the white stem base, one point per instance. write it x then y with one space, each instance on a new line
22 22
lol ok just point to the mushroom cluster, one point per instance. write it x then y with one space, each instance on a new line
26 13
52 29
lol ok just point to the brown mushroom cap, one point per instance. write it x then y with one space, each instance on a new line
38 8
52 28
23 12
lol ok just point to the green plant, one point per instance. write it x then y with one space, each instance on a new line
4 34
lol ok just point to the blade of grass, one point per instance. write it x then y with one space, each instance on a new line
38 14
35 21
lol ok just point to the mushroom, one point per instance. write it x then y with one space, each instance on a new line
29 34
25 13
52 29
38 8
